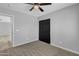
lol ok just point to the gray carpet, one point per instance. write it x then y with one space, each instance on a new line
36 48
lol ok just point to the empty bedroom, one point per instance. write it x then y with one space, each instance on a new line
39 29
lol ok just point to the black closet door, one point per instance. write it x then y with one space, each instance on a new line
44 30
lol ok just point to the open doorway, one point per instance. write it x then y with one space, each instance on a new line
5 32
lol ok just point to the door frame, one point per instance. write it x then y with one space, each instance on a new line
50 27
12 26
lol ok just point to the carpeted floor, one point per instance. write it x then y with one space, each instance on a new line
36 48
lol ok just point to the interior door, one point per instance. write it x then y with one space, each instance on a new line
44 30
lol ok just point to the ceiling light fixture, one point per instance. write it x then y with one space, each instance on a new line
36 7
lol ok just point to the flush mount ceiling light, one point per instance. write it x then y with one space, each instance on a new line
38 6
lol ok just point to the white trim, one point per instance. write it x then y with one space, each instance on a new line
24 43
12 26
65 49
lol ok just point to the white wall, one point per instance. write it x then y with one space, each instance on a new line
25 27
5 28
64 27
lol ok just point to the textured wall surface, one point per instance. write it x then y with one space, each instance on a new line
65 27
25 26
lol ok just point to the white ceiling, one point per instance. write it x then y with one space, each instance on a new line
24 8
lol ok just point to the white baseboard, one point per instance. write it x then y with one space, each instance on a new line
24 43
65 49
